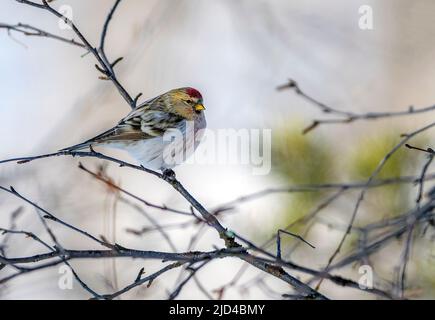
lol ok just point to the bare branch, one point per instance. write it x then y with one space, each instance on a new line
32 31
371 178
101 61
346 116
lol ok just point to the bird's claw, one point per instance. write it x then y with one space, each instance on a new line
168 174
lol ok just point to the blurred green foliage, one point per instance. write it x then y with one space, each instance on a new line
301 159
313 158
362 162
310 159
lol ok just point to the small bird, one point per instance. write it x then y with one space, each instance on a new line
142 131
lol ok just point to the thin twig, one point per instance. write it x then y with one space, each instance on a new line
32 31
102 64
346 116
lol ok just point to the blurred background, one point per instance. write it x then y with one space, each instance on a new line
236 53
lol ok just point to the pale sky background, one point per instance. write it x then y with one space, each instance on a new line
236 53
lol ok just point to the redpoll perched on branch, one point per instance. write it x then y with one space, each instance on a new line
148 131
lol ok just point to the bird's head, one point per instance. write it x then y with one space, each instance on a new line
186 102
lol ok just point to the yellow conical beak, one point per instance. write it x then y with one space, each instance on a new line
199 107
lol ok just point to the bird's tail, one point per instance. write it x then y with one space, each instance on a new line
91 142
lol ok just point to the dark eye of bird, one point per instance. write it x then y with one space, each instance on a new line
189 101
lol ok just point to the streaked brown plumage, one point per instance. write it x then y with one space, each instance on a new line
141 132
